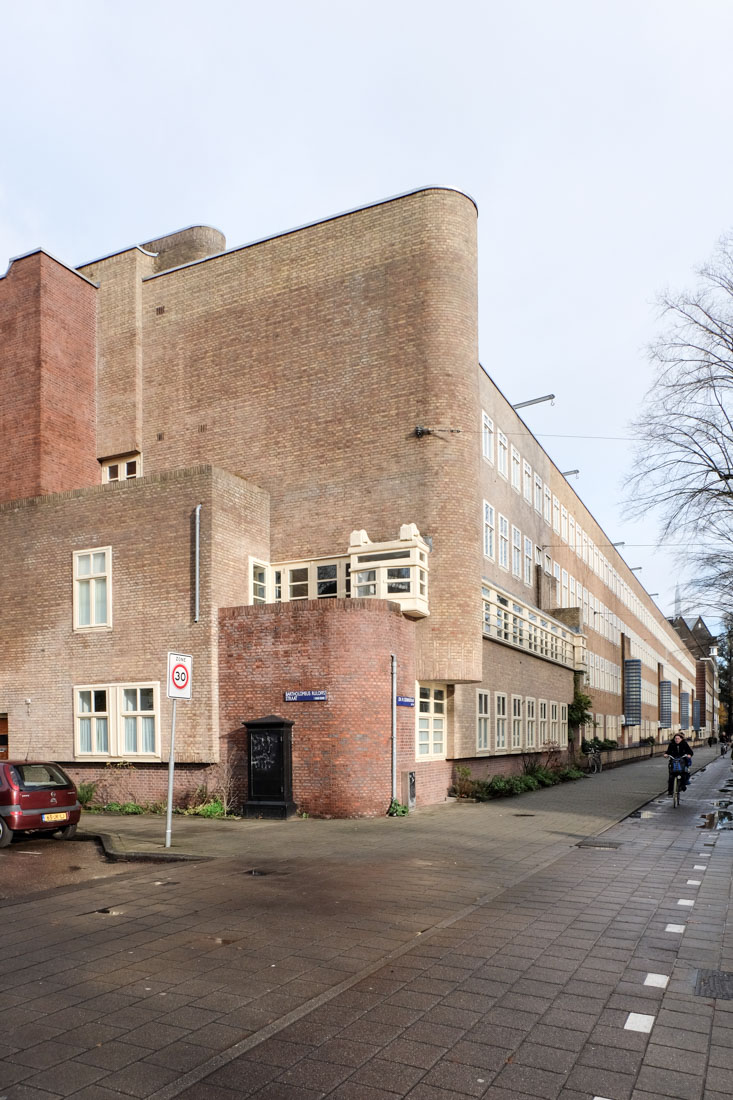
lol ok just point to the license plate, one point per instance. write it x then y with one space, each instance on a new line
54 817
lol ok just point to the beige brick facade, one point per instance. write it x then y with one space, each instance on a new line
280 399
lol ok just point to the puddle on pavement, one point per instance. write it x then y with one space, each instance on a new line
718 819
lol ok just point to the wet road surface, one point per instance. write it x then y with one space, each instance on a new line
34 864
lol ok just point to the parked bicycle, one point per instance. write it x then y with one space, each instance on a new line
595 761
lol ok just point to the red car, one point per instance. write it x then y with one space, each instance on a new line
36 797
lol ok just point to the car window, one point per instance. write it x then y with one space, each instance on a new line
32 776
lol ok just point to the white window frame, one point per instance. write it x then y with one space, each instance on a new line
531 723
556 515
554 731
500 722
123 468
563 523
527 481
516 470
538 493
258 582
431 719
115 715
92 579
483 721
548 505
517 730
516 551
502 454
528 563
503 542
487 437
541 722
489 531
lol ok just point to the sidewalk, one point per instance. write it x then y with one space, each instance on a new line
546 946
587 808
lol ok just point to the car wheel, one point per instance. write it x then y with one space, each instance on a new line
6 834
67 832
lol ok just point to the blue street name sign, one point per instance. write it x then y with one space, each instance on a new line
306 696
405 700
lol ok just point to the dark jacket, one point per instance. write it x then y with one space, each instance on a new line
675 751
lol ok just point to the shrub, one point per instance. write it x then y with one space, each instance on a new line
530 782
131 808
545 777
464 784
85 793
565 775
397 809
113 807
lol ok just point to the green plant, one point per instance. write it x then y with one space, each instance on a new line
85 793
213 808
113 807
545 777
464 783
131 808
397 809
566 775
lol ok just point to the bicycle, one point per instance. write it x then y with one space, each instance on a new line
677 767
595 761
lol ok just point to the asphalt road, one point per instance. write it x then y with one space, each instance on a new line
35 864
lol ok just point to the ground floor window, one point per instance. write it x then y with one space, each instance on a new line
542 705
117 720
431 720
500 711
482 730
531 723
516 723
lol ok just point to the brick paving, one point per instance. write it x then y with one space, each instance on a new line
464 951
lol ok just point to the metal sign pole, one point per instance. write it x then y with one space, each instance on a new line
171 766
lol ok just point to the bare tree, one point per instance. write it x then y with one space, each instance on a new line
684 456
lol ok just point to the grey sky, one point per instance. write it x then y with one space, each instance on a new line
594 135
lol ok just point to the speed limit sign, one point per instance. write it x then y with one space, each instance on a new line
179 675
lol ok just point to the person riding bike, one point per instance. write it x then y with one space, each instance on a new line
678 749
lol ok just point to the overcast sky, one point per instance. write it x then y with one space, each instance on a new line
594 135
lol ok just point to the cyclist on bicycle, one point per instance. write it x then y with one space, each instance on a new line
678 749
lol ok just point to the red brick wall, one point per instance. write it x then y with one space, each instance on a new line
47 377
342 747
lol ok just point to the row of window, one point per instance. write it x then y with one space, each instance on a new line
519 723
117 720
529 485
519 625
332 579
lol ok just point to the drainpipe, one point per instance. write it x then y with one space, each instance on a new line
198 561
394 726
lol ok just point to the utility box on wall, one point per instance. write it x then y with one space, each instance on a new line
269 768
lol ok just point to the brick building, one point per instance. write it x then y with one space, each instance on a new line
285 460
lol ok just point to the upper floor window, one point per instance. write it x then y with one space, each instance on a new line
516 470
92 588
122 468
259 583
527 481
548 504
538 493
502 454
487 437
489 530
503 542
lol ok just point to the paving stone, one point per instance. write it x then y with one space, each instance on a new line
670 1082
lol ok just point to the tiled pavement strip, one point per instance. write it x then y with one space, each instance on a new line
464 951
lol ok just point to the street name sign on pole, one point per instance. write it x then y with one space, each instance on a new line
180 668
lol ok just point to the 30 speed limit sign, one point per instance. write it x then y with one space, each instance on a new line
179 675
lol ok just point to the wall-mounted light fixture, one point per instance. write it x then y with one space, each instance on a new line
568 473
535 401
